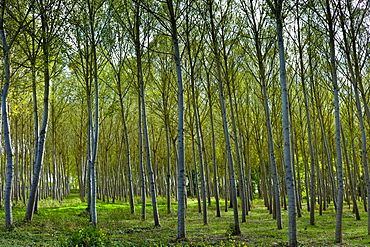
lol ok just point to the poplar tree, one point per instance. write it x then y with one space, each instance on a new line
215 46
277 10
5 118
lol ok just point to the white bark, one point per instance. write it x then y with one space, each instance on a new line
234 201
142 170
287 149
93 118
355 83
197 128
181 186
339 212
43 131
6 127
138 51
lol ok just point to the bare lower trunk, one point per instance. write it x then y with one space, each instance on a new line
339 200
355 83
142 172
287 155
43 131
140 78
234 201
6 130
181 186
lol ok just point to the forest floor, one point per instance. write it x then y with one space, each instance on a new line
65 223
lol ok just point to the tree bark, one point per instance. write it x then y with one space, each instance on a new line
43 131
214 164
197 126
339 213
6 125
277 11
236 228
355 84
181 186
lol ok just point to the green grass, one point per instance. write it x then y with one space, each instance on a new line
58 221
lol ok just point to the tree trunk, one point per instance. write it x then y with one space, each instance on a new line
236 143
128 153
140 78
262 76
168 160
142 172
352 184
43 131
214 164
197 126
194 173
309 127
354 81
181 186
6 127
273 160
236 228
339 213
286 126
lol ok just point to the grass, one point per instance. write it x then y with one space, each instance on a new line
58 221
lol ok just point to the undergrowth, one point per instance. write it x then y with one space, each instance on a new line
65 223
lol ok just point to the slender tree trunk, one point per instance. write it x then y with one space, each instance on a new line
95 129
354 81
328 155
264 179
153 189
194 173
236 230
127 148
237 147
286 125
181 186
197 127
168 160
226 182
352 185
309 127
214 164
339 213
43 131
262 75
142 172
140 78
6 126
298 189
17 161
273 160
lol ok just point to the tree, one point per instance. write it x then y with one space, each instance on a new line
181 181
6 128
236 229
339 213
210 93
47 35
138 51
308 117
86 43
277 11
118 52
192 63
261 56
354 80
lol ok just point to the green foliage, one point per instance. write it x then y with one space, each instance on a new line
87 237
231 231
